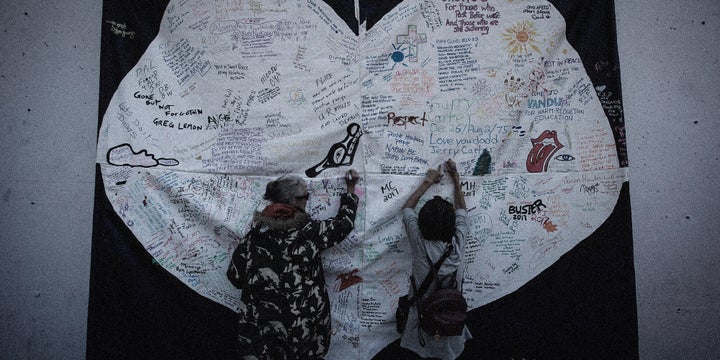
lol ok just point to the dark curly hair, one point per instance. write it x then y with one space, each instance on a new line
436 220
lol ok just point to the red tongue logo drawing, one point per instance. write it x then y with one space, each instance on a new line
228 97
543 149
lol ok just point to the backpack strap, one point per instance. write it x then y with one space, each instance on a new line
417 293
432 275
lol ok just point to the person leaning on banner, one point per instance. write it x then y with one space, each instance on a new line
285 311
438 227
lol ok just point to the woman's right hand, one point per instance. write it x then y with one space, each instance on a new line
451 168
351 178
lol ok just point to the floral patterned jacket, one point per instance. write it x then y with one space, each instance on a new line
286 312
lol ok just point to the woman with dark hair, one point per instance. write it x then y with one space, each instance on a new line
285 311
437 226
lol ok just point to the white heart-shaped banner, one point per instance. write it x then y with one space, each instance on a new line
227 98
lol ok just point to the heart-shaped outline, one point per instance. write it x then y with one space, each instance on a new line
122 202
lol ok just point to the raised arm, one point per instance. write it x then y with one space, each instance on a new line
459 198
326 233
432 176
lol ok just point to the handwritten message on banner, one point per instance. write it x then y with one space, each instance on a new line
232 94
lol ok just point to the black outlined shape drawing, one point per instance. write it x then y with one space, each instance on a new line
341 153
124 155
565 157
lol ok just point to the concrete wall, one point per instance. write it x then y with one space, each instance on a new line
671 74
49 63
49 66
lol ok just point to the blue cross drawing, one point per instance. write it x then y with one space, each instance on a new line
412 38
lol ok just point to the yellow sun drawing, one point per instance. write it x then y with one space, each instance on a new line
521 36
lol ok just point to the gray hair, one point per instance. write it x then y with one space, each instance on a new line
285 189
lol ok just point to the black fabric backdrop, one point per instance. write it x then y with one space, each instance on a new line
581 307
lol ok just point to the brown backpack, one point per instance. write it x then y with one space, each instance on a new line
444 311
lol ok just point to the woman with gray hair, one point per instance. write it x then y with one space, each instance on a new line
286 310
